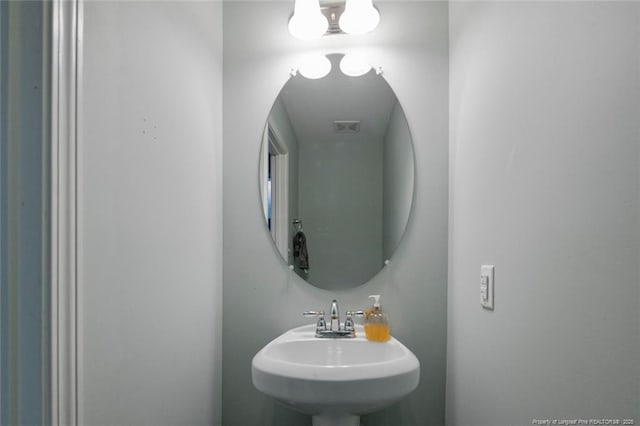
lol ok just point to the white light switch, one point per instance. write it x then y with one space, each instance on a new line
486 286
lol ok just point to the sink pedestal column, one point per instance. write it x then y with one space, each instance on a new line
336 420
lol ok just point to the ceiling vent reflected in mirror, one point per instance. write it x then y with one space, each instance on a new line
346 126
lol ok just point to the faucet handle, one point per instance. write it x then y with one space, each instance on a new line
321 324
348 323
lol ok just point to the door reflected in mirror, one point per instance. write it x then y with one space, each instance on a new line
336 176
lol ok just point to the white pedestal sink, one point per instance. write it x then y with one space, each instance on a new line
334 380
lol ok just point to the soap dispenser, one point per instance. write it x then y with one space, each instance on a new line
376 324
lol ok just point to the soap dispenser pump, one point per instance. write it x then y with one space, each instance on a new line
376 325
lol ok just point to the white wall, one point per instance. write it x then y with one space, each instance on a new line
544 122
150 213
261 297
398 180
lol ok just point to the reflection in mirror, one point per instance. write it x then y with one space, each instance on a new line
336 176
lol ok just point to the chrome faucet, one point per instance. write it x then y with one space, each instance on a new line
335 329
335 316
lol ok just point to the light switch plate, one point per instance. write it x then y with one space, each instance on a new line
486 286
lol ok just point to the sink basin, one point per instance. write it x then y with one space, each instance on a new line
334 380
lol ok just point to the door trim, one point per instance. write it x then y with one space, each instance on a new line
64 270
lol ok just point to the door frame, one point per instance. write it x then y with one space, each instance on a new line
274 144
65 82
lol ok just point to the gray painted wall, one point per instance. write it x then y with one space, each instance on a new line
24 212
150 213
545 113
340 200
398 180
262 298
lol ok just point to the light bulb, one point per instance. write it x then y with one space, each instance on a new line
307 21
359 17
315 67
354 66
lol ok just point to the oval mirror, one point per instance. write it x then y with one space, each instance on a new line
336 176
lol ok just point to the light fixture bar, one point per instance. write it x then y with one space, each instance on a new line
348 17
333 13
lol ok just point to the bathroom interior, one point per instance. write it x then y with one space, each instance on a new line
139 278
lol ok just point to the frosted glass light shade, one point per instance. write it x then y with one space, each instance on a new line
307 21
359 17
354 66
314 67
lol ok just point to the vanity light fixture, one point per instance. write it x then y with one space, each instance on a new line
354 66
315 67
359 17
309 21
